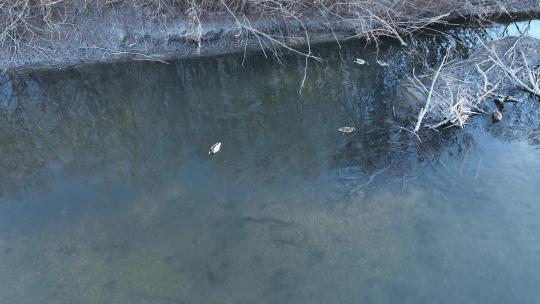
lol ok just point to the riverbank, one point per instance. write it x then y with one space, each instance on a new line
128 31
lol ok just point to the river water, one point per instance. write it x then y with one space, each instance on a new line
108 194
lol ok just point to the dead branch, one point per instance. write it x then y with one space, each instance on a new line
424 110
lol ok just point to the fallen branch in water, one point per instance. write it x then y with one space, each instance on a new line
369 181
461 89
425 109
523 75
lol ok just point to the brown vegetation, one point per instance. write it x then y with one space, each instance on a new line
31 22
460 89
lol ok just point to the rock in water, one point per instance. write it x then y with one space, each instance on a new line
496 116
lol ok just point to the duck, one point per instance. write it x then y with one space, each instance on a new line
499 103
346 130
506 98
496 116
215 148
510 98
360 61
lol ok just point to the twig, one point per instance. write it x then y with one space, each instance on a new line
370 180
424 110
410 131
118 52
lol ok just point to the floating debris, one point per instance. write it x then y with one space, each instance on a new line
347 130
360 61
382 63
215 148
496 116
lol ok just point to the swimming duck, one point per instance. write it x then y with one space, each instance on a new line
510 98
360 61
496 116
347 130
499 103
215 148
506 98
382 63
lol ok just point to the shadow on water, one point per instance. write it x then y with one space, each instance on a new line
109 195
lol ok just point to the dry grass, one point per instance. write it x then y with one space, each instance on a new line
463 88
455 93
24 21
33 21
517 66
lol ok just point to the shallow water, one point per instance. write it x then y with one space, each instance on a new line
109 195
516 29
